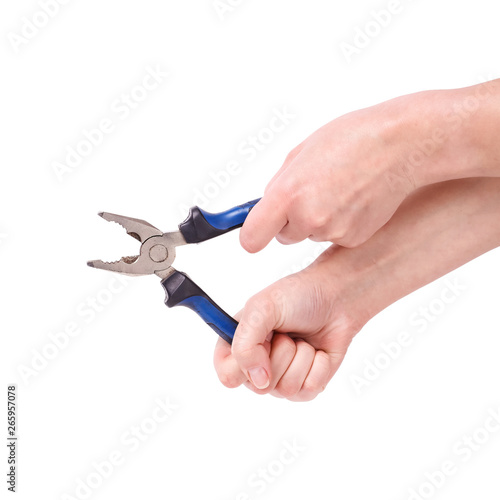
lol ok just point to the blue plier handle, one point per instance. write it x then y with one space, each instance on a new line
158 253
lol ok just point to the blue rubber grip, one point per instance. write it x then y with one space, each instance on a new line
215 318
202 226
232 218
182 291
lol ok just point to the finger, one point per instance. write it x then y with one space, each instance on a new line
264 222
267 343
226 366
258 320
293 379
292 233
283 351
252 388
317 379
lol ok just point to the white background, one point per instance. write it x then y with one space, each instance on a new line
226 76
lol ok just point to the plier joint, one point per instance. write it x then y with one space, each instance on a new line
157 253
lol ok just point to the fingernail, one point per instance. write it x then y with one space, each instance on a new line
259 377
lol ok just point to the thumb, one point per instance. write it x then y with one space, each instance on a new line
266 219
258 320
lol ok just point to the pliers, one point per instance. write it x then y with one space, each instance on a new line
158 253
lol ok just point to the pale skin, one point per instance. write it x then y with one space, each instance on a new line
392 233
347 179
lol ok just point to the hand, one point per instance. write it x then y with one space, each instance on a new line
346 180
293 335
291 339
335 186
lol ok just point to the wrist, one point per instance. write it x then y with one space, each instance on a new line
413 249
450 134
349 280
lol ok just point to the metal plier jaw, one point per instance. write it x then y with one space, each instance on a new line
157 253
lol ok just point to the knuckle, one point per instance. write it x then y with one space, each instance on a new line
341 235
257 309
290 190
290 156
343 232
346 242
287 390
293 153
285 345
351 239
278 296
229 380
311 388
288 345
306 346
318 220
242 352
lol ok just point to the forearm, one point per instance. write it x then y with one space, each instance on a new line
450 134
436 230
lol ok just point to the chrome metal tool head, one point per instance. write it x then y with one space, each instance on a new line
157 251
